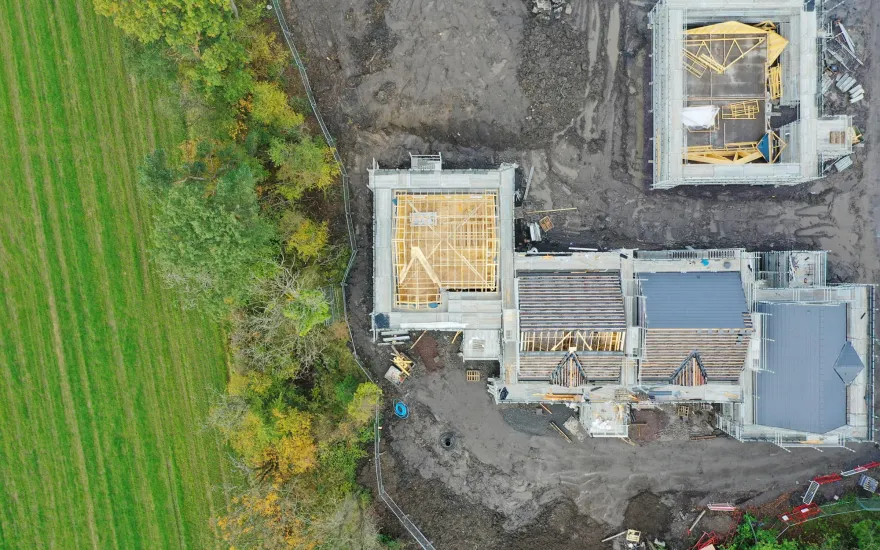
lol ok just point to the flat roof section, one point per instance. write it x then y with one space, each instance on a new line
802 343
443 241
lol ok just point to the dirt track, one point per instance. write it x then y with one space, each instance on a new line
483 82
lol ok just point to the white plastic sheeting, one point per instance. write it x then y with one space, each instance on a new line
700 117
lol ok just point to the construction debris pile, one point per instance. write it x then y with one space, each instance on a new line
544 10
400 368
840 84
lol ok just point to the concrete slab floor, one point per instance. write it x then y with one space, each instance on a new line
744 79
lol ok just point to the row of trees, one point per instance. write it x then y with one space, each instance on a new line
240 231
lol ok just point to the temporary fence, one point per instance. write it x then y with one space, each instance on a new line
346 196
871 504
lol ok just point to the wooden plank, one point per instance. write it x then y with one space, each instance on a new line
556 427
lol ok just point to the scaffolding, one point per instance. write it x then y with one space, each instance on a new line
443 242
785 268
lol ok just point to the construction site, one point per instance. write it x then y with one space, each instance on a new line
575 339
754 335
736 94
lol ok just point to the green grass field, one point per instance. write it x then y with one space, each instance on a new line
104 383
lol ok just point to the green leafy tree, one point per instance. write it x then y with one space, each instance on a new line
268 56
302 166
270 107
275 332
349 526
307 308
337 469
203 36
361 409
219 70
149 61
208 239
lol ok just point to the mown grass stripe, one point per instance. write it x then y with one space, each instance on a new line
90 306
128 188
98 178
40 334
33 176
80 405
14 524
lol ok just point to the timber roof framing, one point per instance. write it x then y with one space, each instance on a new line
569 372
443 241
691 372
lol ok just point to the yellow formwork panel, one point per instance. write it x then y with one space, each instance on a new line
774 82
775 42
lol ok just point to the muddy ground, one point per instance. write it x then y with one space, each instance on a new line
485 82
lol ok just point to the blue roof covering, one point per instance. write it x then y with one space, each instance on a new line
802 343
693 300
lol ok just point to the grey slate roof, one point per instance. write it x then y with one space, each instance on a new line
848 364
693 300
802 343
571 301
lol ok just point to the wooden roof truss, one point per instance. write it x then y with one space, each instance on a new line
570 372
698 52
691 372
578 340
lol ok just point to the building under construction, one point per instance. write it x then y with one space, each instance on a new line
736 94
443 251
783 355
